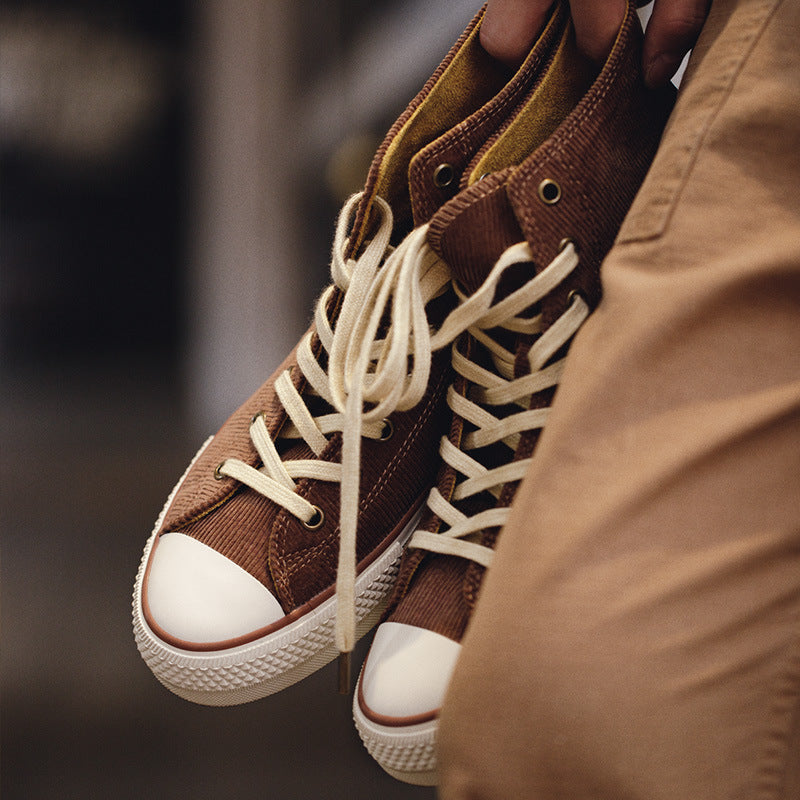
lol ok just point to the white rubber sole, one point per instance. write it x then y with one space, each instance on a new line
273 662
407 753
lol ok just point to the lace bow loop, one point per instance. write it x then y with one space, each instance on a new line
387 374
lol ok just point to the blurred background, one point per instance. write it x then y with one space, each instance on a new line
170 174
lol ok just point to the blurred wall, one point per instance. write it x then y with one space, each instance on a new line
170 175
292 99
248 292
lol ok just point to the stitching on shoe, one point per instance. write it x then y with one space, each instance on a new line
612 76
291 565
364 213
385 476
413 558
277 419
508 96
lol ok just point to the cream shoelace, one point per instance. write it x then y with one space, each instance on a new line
276 479
409 278
375 370
379 276
498 387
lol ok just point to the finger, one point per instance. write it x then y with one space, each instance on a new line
510 27
672 31
597 23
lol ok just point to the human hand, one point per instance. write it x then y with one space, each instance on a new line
511 26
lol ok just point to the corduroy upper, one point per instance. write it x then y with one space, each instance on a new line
464 103
597 158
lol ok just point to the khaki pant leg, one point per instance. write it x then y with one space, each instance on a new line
638 636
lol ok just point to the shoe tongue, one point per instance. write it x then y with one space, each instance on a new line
474 229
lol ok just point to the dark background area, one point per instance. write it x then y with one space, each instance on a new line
126 168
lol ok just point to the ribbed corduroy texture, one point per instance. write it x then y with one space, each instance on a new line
638 635
294 563
598 156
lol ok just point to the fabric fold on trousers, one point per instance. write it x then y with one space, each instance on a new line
638 635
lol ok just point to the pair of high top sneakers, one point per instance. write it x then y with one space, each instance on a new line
369 478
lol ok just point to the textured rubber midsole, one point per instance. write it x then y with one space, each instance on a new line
406 752
274 661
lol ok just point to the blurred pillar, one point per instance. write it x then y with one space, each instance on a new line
246 311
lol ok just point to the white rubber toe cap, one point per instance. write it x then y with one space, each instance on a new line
197 596
407 671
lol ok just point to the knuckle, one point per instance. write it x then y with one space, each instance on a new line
686 19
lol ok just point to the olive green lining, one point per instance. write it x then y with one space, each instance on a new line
567 80
471 79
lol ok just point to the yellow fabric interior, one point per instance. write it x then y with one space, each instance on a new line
565 83
471 79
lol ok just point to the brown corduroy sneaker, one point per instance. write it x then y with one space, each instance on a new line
524 245
237 592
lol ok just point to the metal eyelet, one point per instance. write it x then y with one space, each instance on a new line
565 243
484 175
387 431
444 175
257 415
218 476
316 521
549 192
573 295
